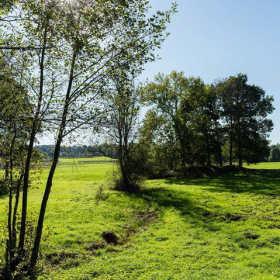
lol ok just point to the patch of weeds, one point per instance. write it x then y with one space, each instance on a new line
275 240
58 258
162 239
234 217
70 263
244 245
214 228
140 223
250 235
274 226
113 249
96 245
101 195
209 216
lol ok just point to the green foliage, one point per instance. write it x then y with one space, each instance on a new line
274 154
245 110
205 124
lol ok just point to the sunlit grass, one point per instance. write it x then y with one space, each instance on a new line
225 227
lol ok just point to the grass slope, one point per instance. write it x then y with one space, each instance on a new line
226 227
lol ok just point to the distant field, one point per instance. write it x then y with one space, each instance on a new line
225 227
86 160
265 165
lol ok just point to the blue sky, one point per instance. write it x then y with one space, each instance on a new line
218 38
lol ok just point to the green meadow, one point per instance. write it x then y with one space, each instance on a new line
220 227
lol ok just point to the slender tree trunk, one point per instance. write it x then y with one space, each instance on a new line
40 224
7 170
15 261
183 161
17 195
31 146
208 152
123 161
240 162
182 143
10 246
240 156
209 163
10 241
25 190
183 156
231 145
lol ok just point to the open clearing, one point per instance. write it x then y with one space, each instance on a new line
225 227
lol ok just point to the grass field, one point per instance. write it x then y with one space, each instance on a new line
224 227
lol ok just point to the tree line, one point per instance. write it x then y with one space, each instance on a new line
79 151
190 124
274 153
225 122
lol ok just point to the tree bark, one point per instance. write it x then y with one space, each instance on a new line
10 244
240 162
40 224
231 145
15 211
30 148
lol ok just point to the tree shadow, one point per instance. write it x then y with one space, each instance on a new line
3 190
248 181
253 181
193 213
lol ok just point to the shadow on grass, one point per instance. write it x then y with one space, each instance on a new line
248 181
253 181
193 213
3 190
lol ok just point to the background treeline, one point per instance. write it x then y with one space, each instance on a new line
110 150
78 151
192 124
187 124
274 153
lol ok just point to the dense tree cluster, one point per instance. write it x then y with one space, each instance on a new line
194 124
274 153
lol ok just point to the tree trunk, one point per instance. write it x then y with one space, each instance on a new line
183 156
40 224
10 241
15 211
240 162
183 163
7 170
231 146
31 146
209 163
10 244
25 190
